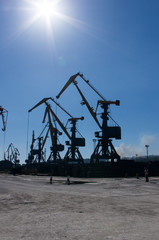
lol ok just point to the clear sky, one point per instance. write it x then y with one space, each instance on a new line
114 43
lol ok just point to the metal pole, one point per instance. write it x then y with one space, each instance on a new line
147 146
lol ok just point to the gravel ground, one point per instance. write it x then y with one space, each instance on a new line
88 209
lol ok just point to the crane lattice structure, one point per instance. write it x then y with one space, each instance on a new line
104 149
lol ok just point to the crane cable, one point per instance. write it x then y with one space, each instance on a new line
27 136
4 140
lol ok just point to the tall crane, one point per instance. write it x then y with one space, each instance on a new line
73 154
4 114
104 149
37 151
12 154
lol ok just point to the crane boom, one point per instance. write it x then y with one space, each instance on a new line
103 101
46 99
39 103
44 141
51 128
45 114
88 106
71 79
87 81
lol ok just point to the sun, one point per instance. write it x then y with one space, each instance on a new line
45 8
49 14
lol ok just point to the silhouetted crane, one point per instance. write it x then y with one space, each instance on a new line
104 149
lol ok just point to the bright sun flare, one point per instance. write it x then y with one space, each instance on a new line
45 8
50 12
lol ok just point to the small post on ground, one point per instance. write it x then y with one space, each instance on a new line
68 180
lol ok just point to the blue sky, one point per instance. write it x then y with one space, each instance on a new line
114 43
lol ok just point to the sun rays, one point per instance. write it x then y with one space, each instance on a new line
50 14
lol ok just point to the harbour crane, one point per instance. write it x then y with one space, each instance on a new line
37 152
73 154
104 149
4 114
12 154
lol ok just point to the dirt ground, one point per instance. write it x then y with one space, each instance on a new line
88 209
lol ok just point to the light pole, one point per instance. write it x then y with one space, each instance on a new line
147 146
94 143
